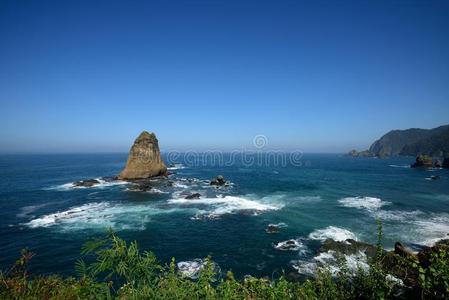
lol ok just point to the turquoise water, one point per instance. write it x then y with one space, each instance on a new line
324 196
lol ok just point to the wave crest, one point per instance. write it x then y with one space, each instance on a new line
368 203
332 232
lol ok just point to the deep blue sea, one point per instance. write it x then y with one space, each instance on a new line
324 196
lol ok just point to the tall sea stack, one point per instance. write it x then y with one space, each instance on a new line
144 159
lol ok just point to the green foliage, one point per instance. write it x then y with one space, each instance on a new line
434 280
115 269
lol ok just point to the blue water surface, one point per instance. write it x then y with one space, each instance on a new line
325 195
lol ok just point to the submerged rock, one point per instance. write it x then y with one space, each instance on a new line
86 183
423 161
435 177
147 185
445 163
289 245
275 228
193 196
144 159
219 180
272 229
141 187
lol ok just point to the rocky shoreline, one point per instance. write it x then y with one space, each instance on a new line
402 265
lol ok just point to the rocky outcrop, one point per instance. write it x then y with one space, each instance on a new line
348 247
272 229
144 159
219 180
288 245
149 185
423 161
403 251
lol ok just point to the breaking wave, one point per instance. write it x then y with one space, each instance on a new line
102 184
75 214
400 166
176 167
433 229
99 215
329 260
226 205
332 232
278 225
368 203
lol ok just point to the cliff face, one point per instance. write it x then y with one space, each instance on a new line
394 141
414 141
144 159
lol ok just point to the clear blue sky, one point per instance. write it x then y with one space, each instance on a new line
320 76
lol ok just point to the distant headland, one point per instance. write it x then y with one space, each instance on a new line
414 141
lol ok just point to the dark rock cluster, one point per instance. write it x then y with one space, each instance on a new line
423 161
219 181
86 183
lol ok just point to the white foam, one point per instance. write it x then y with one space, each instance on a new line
374 207
193 268
61 187
180 185
227 205
157 191
99 215
176 167
291 245
102 184
328 261
26 211
75 213
400 166
396 215
415 226
433 229
332 232
278 225
368 203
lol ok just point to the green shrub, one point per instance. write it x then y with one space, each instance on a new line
115 269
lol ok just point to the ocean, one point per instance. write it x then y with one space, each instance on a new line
318 196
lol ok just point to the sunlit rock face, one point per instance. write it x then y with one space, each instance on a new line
144 159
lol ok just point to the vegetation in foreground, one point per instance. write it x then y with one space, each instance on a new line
117 270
